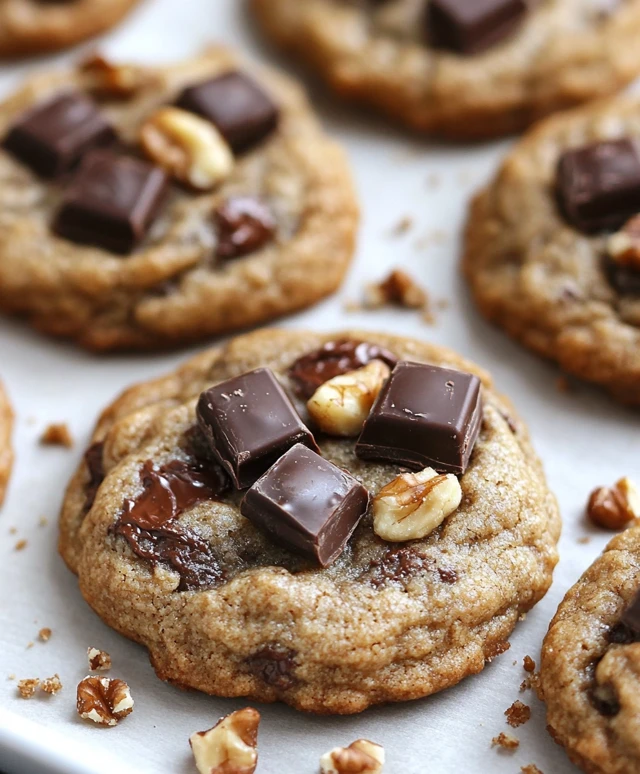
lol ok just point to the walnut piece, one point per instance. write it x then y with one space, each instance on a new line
230 747
398 288
341 405
614 507
51 685
506 741
57 434
99 660
28 687
115 81
103 700
360 757
414 504
187 146
624 246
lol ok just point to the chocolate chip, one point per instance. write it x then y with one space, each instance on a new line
95 466
274 665
424 416
51 138
111 202
631 616
240 109
447 574
472 26
243 225
399 565
624 279
333 359
598 186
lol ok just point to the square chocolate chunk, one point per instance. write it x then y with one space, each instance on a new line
599 185
53 136
471 26
307 504
243 113
111 202
249 423
424 416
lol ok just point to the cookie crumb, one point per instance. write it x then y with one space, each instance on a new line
57 434
404 225
11 677
397 289
13 530
43 522
506 741
51 685
518 714
29 645
27 687
45 634
99 660
529 664
20 545
530 768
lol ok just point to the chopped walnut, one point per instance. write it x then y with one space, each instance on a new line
624 246
529 664
103 700
230 747
517 714
45 634
399 289
360 757
51 685
114 81
28 687
57 435
99 660
506 741
614 507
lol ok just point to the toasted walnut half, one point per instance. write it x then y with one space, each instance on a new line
103 700
414 504
230 747
624 246
115 81
341 405
360 757
614 507
187 146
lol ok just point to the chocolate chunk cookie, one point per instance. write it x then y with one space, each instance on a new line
6 453
462 68
553 248
37 26
284 590
590 675
145 207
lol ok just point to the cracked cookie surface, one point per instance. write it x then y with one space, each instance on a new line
6 452
385 622
564 53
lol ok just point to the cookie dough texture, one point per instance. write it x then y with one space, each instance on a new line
566 52
172 289
540 279
386 622
577 648
6 453
35 27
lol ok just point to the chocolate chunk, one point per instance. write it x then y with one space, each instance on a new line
399 565
307 504
95 467
424 416
472 26
598 186
243 225
250 422
243 113
148 522
333 359
631 617
51 138
111 202
625 279
274 665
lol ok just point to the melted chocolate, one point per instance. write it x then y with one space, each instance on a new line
274 665
95 467
399 565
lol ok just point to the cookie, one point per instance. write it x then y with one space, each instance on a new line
551 260
284 591
6 452
590 673
457 68
38 26
146 208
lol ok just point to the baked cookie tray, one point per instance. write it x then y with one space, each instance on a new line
583 439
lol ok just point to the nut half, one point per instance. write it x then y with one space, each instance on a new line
414 504
360 757
230 747
614 507
103 700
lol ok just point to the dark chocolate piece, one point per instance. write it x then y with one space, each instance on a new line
240 109
243 225
424 416
598 185
250 422
51 138
307 504
472 26
148 522
274 665
333 359
111 202
95 467
625 279
631 617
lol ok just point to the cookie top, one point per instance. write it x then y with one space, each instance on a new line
590 674
37 26
458 68
243 601
130 222
546 276
6 452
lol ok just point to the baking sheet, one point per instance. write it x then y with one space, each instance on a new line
583 439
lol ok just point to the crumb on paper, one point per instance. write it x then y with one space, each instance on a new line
29 645
13 530
21 545
11 677
518 714
434 237
530 768
99 660
57 434
28 687
45 634
404 225
398 288
51 685
528 664
43 522
506 741
350 306
584 540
